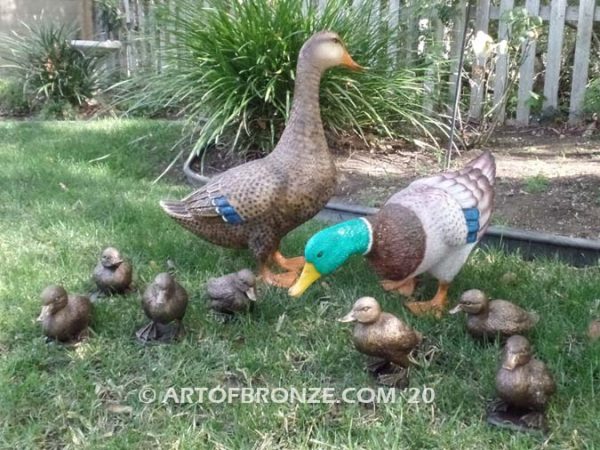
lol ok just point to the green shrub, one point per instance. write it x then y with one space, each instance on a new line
592 97
12 98
231 70
51 69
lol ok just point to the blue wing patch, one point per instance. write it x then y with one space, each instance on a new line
472 218
226 211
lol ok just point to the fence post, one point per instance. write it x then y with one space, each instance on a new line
478 75
501 75
582 59
553 60
526 72
458 26
393 19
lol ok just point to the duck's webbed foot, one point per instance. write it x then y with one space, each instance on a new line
503 415
158 332
283 280
290 264
436 306
403 287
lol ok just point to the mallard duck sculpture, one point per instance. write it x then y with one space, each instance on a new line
430 226
255 204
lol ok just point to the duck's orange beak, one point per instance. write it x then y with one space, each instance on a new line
348 62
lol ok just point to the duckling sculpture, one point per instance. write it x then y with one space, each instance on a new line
381 334
494 318
164 302
233 292
112 275
430 226
255 204
524 385
64 317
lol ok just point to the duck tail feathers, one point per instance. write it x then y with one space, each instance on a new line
486 163
175 209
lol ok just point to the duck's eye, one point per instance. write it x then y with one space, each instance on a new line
320 254
366 308
336 40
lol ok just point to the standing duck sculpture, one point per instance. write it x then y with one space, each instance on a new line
430 226
488 319
64 317
257 203
524 385
112 274
164 301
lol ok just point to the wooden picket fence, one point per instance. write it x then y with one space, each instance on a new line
142 39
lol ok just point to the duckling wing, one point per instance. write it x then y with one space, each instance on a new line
240 195
507 316
472 187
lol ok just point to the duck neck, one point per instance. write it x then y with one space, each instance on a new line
305 115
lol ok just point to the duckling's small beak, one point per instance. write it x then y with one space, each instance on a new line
348 62
456 309
511 361
309 275
348 317
251 294
44 314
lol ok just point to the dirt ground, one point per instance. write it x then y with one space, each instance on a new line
546 181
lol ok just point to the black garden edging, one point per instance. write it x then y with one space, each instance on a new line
530 244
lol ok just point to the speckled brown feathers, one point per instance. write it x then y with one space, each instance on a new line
64 317
254 205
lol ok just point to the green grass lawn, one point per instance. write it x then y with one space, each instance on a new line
69 189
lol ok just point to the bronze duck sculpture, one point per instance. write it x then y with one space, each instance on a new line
524 385
256 204
112 274
496 318
233 292
164 301
430 226
381 334
64 317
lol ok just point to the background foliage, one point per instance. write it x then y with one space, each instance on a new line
230 72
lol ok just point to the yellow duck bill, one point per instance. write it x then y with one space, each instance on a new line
309 275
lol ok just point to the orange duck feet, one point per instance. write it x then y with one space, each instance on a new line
282 280
404 287
436 306
290 264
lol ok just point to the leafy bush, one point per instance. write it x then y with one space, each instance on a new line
51 69
231 72
12 98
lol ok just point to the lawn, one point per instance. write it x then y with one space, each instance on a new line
69 189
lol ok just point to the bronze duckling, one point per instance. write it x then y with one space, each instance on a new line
381 334
494 318
64 317
524 385
164 302
112 274
233 292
